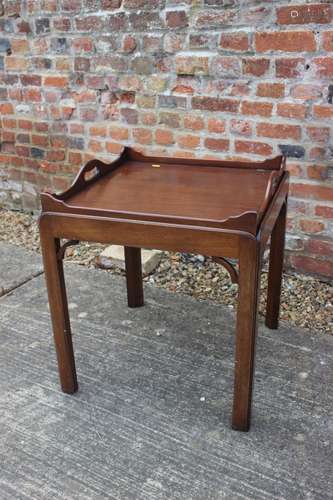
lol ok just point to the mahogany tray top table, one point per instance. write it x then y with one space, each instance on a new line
223 209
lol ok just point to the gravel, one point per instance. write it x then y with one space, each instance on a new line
306 302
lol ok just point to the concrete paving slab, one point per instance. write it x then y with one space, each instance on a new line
17 266
114 256
151 419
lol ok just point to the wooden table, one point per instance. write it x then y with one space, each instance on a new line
223 209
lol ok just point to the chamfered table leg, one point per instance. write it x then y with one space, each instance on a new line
246 330
134 276
56 289
275 269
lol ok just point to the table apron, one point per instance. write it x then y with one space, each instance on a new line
207 241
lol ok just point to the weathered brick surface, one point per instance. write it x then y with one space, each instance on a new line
81 78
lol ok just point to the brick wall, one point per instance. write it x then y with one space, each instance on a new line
208 78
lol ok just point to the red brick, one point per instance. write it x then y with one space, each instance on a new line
40 140
83 44
98 130
176 19
183 154
119 133
240 89
294 169
6 109
62 24
215 104
76 128
328 41
323 66
278 131
216 125
322 111
256 148
311 226
291 110
317 153
313 191
35 80
257 108
48 167
32 95
200 41
151 43
254 15
289 68
274 90
58 155
318 134
12 8
237 41
16 63
25 124
114 147
148 118
320 13
89 23
142 135
95 146
319 247
8 136
71 5
312 265
164 137
88 114
216 19
9 123
241 127
193 122
23 27
15 94
85 96
171 120
63 64
59 141
286 41
306 91
188 141
255 66
49 5
226 66
217 144
317 172
75 158
56 81
129 44
110 4
60 183
9 148
192 65
19 46
183 89
324 211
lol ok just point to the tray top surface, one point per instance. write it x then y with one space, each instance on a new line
176 190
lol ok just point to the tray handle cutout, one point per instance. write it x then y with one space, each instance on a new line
91 173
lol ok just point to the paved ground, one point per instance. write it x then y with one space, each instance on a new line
17 266
151 418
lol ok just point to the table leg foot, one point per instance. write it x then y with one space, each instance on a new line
275 270
246 329
56 289
134 277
